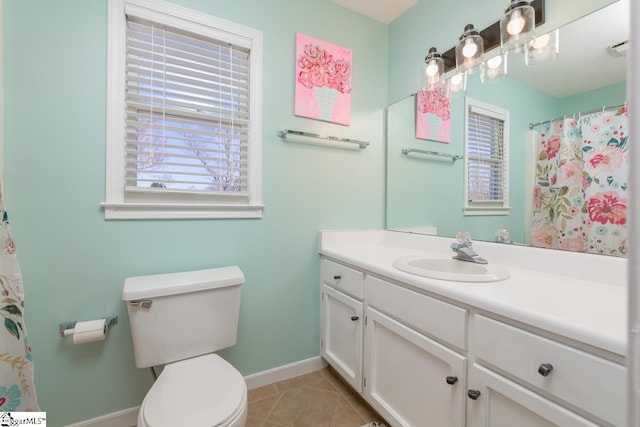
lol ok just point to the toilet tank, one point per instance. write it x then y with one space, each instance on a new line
180 315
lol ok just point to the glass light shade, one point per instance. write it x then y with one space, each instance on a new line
433 69
544 48
457 84
469 49
494 69
517 25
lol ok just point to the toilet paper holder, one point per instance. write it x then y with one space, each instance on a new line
109 322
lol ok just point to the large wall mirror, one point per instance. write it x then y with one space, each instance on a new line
425 193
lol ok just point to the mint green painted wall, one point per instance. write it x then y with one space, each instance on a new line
615 94
74 262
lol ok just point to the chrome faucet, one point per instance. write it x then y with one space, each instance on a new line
463 250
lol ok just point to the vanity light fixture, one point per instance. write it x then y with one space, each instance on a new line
469 49
543 48
433 68
517 25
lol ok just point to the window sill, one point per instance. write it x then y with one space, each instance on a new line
485 211
179 211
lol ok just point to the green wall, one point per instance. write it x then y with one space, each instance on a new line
74 262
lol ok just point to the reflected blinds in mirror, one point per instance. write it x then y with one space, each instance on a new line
486 160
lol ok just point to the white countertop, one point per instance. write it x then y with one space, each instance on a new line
579 296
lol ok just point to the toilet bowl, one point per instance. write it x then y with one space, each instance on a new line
201 391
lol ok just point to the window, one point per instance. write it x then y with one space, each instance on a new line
486 159
184 114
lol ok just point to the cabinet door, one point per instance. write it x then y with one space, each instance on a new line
342 334
410 379
503 403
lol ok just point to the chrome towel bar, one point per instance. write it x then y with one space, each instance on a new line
284 132
454 157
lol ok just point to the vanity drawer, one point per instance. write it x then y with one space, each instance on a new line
430 316
346 279
591 383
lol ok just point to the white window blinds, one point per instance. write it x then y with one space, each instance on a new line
486 160
187 112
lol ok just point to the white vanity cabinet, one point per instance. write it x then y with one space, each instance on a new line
410 378
342 320
420 360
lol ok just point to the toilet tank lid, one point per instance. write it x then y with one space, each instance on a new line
157 285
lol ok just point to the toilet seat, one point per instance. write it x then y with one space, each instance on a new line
201 391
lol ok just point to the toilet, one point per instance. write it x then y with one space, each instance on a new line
179 320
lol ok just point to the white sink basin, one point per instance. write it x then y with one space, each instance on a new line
450 269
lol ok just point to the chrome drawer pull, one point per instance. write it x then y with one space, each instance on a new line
545 369
452 380
354 318
336 277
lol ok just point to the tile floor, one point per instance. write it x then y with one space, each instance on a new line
318 399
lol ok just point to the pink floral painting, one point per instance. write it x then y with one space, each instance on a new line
433 114
323 80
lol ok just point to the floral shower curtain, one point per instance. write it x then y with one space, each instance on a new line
17 391
580 195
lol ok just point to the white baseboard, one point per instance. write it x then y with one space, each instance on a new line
124 418
285 372
129 417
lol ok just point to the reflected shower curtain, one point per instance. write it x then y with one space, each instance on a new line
580 193
17 391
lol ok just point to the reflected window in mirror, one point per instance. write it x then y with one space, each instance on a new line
486 159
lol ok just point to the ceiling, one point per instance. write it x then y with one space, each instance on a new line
384 11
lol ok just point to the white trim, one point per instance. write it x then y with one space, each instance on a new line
129 417
285 372
633 346
183 211
115 206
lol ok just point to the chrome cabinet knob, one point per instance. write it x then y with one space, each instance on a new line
545 369
473 394
354 318
452 380
337 277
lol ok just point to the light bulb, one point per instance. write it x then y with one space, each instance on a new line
457 79
495 62
516 23
432 69
469 49
541 41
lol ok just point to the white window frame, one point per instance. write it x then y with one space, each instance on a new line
472 208
177 204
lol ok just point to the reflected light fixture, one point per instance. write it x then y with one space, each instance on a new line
457 84
517 25
469 49
543 48
433 68
494 69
